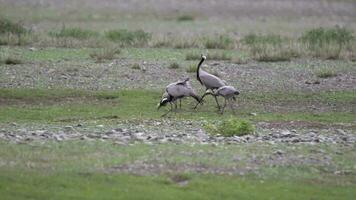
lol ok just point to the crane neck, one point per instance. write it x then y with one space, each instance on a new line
198 69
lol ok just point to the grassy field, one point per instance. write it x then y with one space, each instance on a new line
85 170
76 74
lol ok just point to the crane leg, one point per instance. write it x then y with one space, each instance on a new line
168 110
217 102
201 100
223 108
180 103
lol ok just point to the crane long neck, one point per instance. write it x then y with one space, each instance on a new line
198 68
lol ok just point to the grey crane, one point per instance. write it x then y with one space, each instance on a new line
210 81
175 91
228 92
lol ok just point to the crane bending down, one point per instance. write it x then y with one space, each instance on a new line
210 82
228 92
175 91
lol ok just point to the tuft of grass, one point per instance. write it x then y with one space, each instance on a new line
174 65
183 18
191 68
135 66
128 38
231 127
327 42
220 42
74 32
104 54
325 73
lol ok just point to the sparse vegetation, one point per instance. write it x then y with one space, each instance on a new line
104 54
220 42
325 73
174 65
191 68
210 56
327 42
73 32
12 33
270 48
128 38
192 56
239 60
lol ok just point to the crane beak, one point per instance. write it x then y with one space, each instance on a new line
158 106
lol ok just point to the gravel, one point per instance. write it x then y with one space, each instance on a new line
167 131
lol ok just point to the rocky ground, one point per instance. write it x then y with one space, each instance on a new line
299 75
167 131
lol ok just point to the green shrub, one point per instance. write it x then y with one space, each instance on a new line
128 38
74 32
174 65
230 127
221 42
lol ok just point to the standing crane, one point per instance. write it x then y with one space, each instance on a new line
211 82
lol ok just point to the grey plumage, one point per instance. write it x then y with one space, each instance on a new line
229 93
177 90
210 81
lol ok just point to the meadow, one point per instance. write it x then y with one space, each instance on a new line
80 82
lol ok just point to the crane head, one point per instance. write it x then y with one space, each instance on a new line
163 102
203 57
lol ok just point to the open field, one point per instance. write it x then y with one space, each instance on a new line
80 82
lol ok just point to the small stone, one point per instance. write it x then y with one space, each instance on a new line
340 131
100 126
253 114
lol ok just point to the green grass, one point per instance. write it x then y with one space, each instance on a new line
53 105
102 186
81 170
